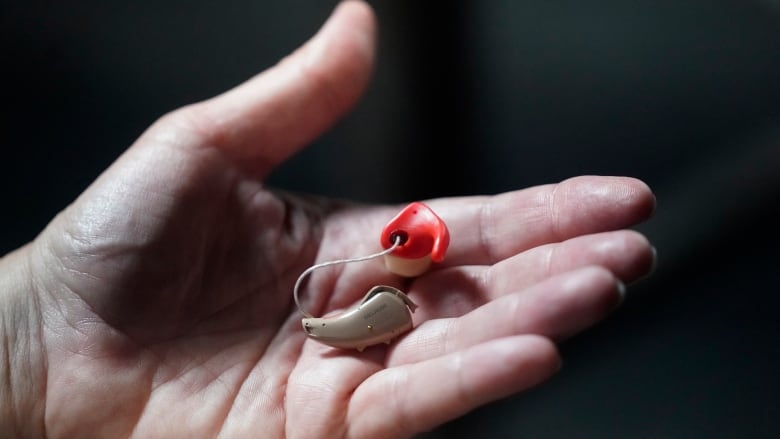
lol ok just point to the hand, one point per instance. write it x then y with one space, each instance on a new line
159 304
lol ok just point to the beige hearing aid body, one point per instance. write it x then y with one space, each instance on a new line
383 314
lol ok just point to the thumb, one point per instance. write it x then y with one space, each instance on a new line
265 120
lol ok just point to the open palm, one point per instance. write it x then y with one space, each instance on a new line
163 295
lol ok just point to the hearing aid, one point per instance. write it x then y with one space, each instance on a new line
413 240
383 314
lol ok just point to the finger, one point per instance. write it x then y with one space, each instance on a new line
268 118
556 308
485 230
456 290
404 400
627 254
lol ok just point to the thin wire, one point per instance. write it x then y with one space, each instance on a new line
308 271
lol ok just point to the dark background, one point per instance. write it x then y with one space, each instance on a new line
684 94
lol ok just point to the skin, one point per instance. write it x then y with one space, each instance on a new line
159 304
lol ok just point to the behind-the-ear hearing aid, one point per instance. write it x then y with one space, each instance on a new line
383 314
412 240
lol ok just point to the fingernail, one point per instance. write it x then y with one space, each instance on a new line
652 268
621 289
654 264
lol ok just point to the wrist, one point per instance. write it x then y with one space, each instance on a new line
22 359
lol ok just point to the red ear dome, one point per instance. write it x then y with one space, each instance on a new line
421 231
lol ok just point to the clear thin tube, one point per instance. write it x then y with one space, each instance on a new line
309 270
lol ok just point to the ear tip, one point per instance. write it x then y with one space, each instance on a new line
427 232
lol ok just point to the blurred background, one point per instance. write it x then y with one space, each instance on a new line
684 94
